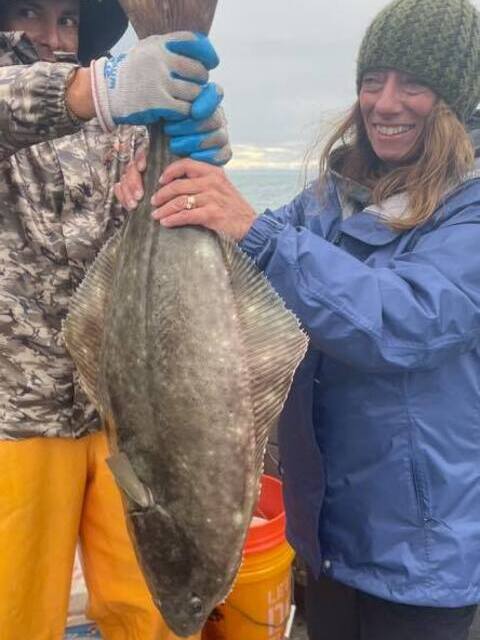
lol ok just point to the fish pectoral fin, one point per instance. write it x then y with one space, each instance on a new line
129 482
83 327
274 342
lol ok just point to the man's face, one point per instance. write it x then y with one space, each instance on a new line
52 25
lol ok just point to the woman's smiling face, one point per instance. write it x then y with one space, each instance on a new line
395 108
52 25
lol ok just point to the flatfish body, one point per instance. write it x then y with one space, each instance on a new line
189 355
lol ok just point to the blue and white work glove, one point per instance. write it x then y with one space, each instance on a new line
158 79
205 140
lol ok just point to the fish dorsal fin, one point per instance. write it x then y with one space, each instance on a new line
129 482
273 340
83 327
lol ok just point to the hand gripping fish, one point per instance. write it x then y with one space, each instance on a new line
189 355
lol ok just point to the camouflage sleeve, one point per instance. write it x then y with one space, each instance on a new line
32 105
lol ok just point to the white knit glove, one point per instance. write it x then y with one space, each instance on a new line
158 79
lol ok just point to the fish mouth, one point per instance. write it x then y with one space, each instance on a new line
181 627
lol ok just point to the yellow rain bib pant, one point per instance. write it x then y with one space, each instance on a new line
54 493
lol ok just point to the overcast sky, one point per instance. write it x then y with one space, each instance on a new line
286 66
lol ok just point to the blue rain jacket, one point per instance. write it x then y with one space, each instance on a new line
380 436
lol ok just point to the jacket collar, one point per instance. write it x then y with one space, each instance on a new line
369 222
16 48
365 221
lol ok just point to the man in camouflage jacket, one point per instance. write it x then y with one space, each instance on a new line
57 209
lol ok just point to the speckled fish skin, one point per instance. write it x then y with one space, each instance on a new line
190 389
190 557
179 397
197 355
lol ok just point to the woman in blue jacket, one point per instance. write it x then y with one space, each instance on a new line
380 260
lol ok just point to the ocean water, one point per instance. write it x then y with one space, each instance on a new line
267 188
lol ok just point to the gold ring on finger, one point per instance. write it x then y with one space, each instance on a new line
190 203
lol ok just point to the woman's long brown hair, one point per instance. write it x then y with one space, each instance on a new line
445 156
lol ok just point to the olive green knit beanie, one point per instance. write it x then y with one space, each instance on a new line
437 41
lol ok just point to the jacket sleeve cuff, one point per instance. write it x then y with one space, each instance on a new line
39 105
60 77
264 229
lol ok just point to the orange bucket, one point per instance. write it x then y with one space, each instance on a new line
258 608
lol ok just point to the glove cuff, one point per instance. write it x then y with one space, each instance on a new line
100 95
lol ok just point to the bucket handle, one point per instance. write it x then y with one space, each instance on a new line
259 623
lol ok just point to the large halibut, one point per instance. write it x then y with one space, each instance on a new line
189 355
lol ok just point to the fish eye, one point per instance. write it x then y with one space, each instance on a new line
196 605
